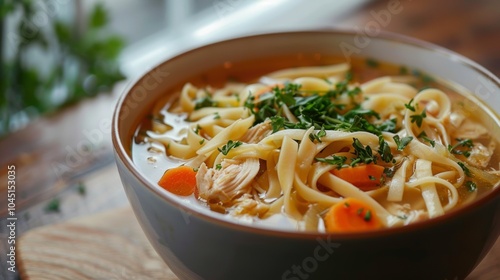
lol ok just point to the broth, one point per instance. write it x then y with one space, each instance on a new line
150 154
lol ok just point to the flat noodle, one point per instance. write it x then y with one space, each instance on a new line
285 167
298 156
234 131
314 71
396 188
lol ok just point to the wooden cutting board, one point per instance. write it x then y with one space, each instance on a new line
111 245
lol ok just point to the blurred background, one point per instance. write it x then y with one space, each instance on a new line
65 62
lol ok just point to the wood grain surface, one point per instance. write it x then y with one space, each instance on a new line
111 245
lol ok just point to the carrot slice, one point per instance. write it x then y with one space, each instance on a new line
366 177
351 215
179 180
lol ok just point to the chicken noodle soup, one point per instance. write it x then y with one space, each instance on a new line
322 148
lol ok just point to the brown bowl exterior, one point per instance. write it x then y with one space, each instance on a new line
198 246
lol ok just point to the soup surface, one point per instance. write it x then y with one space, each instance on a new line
313 143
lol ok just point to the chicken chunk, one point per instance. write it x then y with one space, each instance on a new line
257 133
480 155
247 205
231 180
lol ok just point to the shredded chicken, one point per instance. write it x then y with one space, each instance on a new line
469 129
405 211
480 155
248 205
257 133
232 179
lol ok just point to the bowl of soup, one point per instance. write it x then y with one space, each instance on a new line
301 155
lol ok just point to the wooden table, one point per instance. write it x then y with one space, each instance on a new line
67 157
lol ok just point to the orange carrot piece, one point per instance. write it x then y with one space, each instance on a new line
366 177
351 215
179 180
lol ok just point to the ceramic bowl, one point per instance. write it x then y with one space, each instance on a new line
197 245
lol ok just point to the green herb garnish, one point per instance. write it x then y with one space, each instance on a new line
403 142
463 147
197 129
409 106
368 216
418 118
81 188
206 101
464 168
317 137
389 172
334 160
230 144
384 150
363 154
372 63
53 206
424 137
471 186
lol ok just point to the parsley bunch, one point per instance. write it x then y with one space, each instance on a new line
320 110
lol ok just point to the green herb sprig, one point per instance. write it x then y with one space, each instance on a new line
230 145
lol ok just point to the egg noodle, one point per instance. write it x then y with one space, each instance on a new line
278 146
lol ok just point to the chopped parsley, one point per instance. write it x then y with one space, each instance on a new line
81 188
409 106
403 70
465 169
388 126
389 172
426 79
197 129
206 101
424 137
218 166
368 216
471 186
53 206
463 147
318 135
418 118
384 150
317 109
333 160
370 62
230 144
402 142
363 154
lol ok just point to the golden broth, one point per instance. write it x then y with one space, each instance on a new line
150 155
